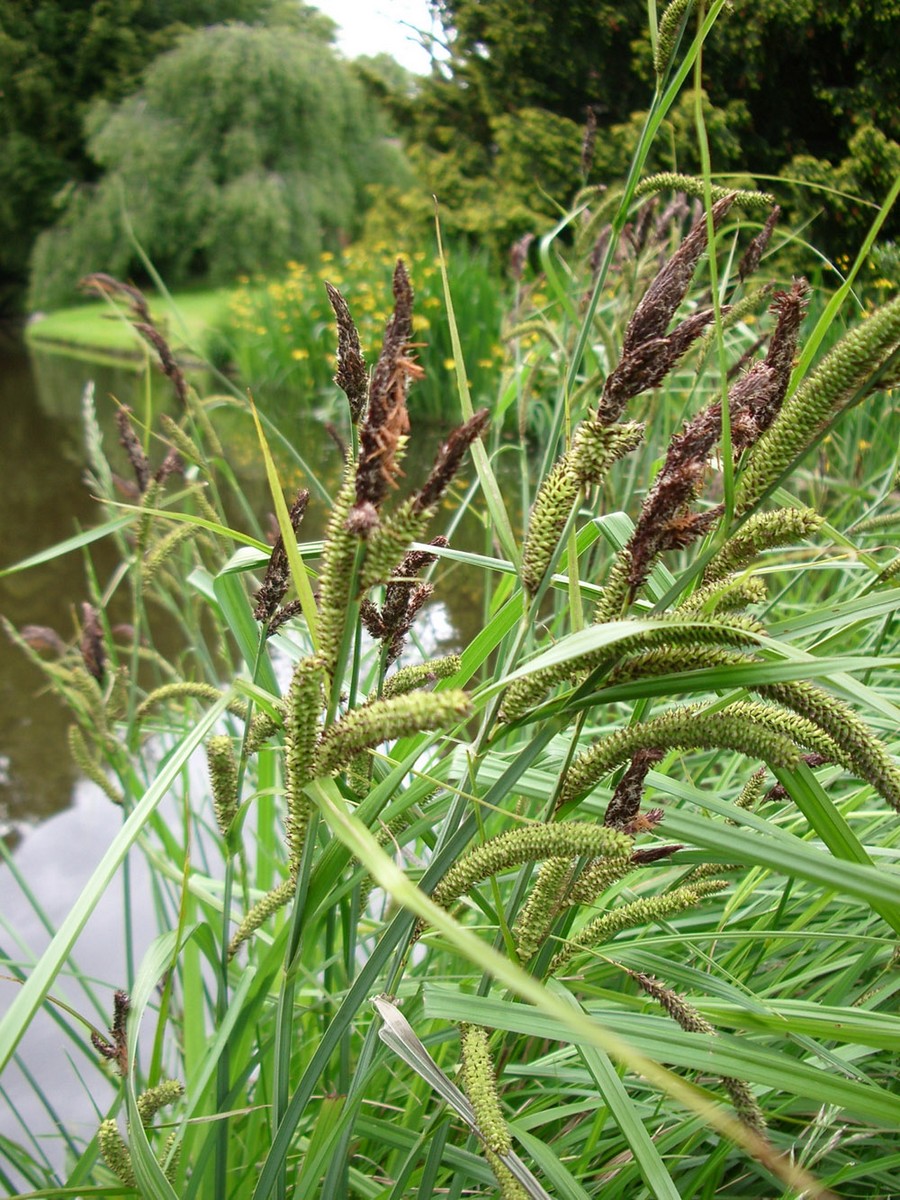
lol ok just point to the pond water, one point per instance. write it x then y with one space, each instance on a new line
42 458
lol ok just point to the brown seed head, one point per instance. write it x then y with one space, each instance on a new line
449 458
93 653
351 375
386 423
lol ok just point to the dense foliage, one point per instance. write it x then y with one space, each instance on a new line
245 147
622 868
278 332
56 58
808 89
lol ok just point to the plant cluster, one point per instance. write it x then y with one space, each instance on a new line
279 331
604 904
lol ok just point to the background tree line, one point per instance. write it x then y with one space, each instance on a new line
235 147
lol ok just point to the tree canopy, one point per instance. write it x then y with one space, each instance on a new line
56 58
245 147
810 88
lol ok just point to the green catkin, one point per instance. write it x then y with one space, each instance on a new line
510 1188
596 447
879 521
368 726
169 1160
538 327
840 378
889 572
223 773
115 1153
481 1088
183 690
522 694
408 679
860 750
596 878
197 409
336 575
530 843
359 775
389 541
691 185
764 734
117 698
480 1085
206 509
161 1096
637 912
303 712
148 500
88 689
731 593
263 726
751 791
184 444
542 906
816 719
163 548
762 531
551 510
680 1010
90 766
274 900
611 603
802 730
667 32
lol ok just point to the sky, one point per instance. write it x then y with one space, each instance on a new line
377 27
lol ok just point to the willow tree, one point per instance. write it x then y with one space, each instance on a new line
244 148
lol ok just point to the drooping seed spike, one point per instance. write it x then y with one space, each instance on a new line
530 843
637 912
383 720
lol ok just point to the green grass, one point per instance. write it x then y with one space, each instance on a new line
96 329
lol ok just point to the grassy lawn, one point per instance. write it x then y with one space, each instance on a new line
100 329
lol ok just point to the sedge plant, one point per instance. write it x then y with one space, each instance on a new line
605 903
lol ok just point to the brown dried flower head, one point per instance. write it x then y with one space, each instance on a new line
278 575
449 459
754 252
93 653
351 375
383 432
647 353
101 284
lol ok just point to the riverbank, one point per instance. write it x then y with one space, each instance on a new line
101 330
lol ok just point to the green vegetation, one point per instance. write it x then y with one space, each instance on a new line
244 147
653 798
189 321
56 60
808 90
601 901
279 333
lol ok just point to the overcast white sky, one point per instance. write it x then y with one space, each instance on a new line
377 27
